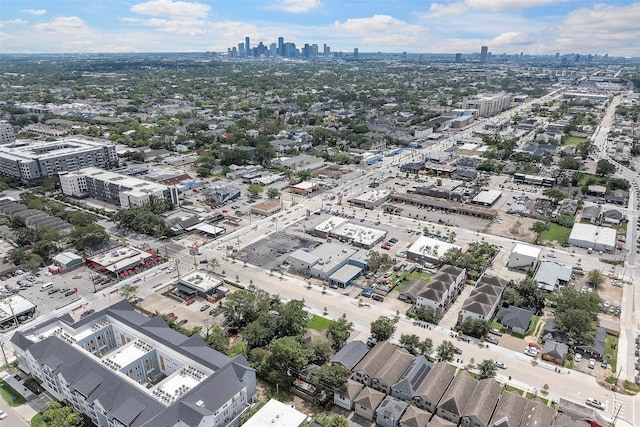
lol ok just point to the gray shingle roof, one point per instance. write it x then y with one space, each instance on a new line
515 317
459 393
412 379
509 411
350 354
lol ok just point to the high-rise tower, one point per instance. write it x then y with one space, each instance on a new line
484 51
247 46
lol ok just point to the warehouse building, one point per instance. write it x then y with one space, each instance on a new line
593 237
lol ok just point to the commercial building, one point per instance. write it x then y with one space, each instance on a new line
15 309
7 135
429 250
220 192
593 237
371 199
339 265
27 160
121 190
120 368
121 260
524 257
198 283
276 414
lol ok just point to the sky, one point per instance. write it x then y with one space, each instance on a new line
531 27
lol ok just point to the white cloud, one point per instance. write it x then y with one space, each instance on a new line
176 26
382 32
12 22
174 9
34 11
296 6
465 6
63 25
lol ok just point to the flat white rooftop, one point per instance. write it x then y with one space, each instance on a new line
373 196
120 257
16 304
522 249
430 247
331 223
359 233
200 280
276 414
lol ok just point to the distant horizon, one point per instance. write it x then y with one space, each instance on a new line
533 27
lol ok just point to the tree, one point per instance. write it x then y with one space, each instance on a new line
261 331
243 307
17 256
474 327
554 194
128 292
339 332
273 193
332 420
377 261
411 343
383 328
605 167
329 378
487 369
569 162
83 236
539 227
595 278
286 360
445 351
321 351
575 314
58 415
292 319
426 347
255 189
218 340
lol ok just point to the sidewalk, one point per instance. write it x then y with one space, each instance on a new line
34 403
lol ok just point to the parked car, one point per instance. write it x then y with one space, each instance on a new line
501 365
53 291
205 307
87 313
592 363
69 292
3 415
595 403
491 339
190 301
495 332
457 350
204 261
377 297
577 358
182 322
604 364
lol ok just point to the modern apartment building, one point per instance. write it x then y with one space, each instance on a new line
112 187
26 160
488 105
7 135
121 368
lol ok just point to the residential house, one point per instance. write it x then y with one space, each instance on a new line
282 145
368 367
613 217
552 274
478 410
455 399
441 290
509 410
390 411
555 352
591 213
415 417
434 386
596 348
550 332
617 197
391 370
406 387
436 421
351 354
537 414
345 396
367 402
411 290
483 299
515 319
568 207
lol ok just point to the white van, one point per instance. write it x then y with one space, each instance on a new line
46 286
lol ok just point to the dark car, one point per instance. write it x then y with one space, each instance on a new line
204 261
87 313
69 292
53 291
205 307
457 350
182 322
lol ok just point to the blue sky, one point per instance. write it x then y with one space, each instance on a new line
415 26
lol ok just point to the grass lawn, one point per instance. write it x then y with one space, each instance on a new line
318 323
514 390
555 232
36 420
611 352
9 394
573 140
410 277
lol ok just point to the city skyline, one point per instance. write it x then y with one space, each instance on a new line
534 27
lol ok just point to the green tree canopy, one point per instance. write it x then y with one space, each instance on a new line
339 332
411 343
605 167
487 369
445 351
286 360
377 261
58 415
383 328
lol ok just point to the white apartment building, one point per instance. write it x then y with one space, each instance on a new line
488 105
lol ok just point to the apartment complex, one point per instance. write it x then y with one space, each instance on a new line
26 160
488 105
112 187
7 135
121 368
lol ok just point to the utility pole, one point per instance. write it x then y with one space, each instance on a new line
6 362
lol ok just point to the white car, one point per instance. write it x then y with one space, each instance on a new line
595 403
171 269
3 415
501 365
578 357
